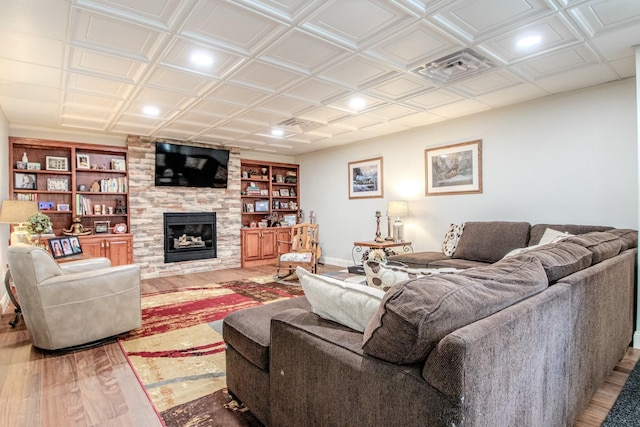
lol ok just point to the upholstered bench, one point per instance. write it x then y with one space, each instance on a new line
247 335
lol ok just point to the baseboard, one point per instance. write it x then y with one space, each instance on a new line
636 339
336 261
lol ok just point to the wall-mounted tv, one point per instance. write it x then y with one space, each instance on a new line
188 166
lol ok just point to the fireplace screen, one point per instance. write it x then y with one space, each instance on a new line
189 236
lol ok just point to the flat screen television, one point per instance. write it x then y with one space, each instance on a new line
188 166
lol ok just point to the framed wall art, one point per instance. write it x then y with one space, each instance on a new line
454 169
365 179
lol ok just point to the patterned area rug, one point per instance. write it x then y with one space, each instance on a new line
178 353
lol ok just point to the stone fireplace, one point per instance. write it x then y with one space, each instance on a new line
189 236
148 204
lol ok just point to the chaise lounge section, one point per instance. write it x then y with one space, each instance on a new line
528 342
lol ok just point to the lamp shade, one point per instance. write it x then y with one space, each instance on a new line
397 208
17 211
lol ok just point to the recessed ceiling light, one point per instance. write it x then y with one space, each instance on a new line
529 41
357 102
151 110
202 59
277 132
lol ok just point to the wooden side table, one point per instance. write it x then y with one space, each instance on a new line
371 244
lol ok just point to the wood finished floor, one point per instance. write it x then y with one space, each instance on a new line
96 387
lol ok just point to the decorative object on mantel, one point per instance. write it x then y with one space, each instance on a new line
397 209
77 229
25 158
378 234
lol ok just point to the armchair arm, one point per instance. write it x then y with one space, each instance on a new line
85 265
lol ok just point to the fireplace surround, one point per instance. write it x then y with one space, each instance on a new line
189 236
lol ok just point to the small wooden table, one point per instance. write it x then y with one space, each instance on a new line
387 246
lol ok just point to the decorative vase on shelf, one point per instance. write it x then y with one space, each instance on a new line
25 158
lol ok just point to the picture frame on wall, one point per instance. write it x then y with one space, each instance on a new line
454 169
366 179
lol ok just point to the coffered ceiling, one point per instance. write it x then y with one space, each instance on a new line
233 72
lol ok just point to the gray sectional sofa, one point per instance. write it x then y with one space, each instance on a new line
524 340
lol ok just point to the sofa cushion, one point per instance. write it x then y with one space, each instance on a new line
603 245
415 315
490 241
451 239
538 230
349 304
418 259
248 331
560 259
628 238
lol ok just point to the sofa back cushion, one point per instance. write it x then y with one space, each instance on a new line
415 315
601 244
490 241
628 238
538 230
560 259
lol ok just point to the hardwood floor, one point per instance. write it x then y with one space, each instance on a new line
96 387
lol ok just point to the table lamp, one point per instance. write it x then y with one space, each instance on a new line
18 212
397 209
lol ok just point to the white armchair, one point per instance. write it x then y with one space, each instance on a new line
76 303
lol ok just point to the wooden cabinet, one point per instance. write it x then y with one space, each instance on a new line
71 180
260 245
117 247
269 190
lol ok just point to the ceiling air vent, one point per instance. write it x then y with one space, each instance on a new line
457 66
299 125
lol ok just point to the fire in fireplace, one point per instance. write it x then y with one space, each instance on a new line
189 236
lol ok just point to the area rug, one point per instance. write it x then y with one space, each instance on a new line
178 353
626 409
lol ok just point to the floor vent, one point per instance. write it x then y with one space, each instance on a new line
455 67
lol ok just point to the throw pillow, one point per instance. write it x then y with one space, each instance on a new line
451 239
383 277
552 236
416 315
349 304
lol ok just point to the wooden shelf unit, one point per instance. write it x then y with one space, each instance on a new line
62 187
271 179
259 245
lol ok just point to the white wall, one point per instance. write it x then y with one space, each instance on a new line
569 158
4 195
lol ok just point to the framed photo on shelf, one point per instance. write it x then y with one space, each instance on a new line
284 192
56 163
57 184
75 245
275 193
248 207
454 169
101 226
61 247
63 207
365 179
262 205
25 181
33 166
118 165
264 192
83 161
21 165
